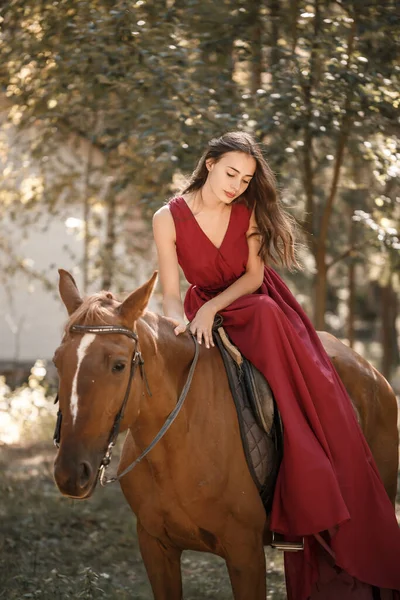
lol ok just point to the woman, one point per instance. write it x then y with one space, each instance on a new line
225 230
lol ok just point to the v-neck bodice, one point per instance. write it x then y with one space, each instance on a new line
208 268
204 233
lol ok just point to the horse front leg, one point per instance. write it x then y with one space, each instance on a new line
163 566
245 561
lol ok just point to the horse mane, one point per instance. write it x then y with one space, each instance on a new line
101 309
97 309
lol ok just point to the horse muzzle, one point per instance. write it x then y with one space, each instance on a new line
75 472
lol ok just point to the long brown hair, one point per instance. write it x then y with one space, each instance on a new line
276 227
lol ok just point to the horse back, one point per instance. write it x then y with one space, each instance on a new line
375 403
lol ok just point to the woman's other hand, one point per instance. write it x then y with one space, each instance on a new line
180 326
201 326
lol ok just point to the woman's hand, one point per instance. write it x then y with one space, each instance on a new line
180 326
201 326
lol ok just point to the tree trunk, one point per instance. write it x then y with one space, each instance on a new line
275 17
386 366
294 13
86 216
256 47
309 87
390 349
321 244
321 253
351 284
308 183
320 286
109 245
351 305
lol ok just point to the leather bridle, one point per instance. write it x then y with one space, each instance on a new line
137 360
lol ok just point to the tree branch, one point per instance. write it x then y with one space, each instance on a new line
340 147
346 253
180 96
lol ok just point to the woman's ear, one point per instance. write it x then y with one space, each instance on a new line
209 164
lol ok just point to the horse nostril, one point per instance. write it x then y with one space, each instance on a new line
85 473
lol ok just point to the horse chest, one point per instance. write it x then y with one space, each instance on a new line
169 523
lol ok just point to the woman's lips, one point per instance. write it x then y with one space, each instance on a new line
229 194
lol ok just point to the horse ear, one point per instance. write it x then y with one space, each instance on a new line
69 291
135 304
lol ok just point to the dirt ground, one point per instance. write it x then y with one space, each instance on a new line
55 548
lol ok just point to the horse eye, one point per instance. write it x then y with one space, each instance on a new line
118 367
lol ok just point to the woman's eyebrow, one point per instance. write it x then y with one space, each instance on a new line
238 171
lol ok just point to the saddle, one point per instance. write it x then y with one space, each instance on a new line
259 420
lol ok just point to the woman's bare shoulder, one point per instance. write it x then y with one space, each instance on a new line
163 214
163 224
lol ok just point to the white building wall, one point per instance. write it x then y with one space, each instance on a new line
31 316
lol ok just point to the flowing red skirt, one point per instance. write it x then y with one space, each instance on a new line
328 478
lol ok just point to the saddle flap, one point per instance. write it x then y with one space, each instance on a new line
258 418
260 396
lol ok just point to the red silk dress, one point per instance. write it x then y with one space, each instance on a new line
328 476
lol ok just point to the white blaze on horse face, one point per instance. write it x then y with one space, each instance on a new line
86 340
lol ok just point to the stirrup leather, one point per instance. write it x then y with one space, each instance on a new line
280 544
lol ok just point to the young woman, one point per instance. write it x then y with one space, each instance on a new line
225 230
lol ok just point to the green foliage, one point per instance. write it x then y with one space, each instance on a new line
145 84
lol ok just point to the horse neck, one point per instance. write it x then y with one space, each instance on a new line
166 362
208 418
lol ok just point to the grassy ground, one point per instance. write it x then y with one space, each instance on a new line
55 548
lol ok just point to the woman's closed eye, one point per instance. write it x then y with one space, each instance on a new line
245 182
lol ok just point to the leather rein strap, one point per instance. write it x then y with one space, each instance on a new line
137 360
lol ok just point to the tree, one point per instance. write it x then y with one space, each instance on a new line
138 89
327 98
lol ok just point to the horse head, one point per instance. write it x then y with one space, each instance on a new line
95 373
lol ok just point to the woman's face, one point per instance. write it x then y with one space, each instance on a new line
230 176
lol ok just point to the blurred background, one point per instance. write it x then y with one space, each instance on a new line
105 107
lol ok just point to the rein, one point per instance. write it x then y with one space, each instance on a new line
137 360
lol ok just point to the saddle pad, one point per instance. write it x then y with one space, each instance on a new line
259 420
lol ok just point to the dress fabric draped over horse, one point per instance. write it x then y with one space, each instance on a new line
328 476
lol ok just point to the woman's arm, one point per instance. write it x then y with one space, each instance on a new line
165 236
246 284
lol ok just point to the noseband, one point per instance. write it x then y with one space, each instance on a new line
137 360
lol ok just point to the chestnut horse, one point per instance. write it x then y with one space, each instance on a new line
194 489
